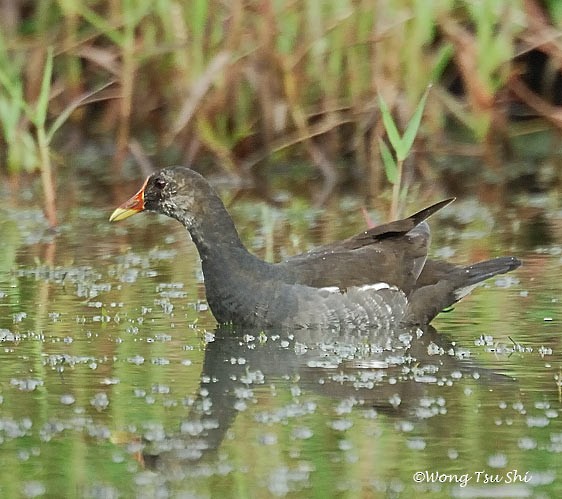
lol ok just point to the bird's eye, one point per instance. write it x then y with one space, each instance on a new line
160 183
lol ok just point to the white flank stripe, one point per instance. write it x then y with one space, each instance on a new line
374 287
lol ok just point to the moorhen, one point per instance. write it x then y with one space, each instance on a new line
378 278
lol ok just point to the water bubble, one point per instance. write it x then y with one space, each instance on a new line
161 389
18 317
26 385
268 439
302 433
537 421
527 443
395 400
100 401
497 460
416 443
160 361
67 399
7 335
33 489
341 424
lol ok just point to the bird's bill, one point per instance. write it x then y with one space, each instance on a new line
131 207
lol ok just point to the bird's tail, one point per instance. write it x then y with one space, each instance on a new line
478 272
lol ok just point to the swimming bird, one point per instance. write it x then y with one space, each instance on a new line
378 278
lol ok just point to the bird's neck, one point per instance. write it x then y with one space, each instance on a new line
232 274
217 239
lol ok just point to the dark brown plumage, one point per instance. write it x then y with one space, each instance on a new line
377 278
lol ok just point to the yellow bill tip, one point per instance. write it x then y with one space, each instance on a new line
122 214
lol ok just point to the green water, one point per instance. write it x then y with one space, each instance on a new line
115 382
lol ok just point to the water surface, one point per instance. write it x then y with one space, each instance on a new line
116 381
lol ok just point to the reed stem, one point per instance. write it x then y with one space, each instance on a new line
47 178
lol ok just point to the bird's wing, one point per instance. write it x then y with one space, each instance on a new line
394 253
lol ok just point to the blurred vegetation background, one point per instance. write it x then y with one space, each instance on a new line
248 87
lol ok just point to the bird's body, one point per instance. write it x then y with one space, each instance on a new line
377 278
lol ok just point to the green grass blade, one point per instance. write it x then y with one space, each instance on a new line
390 167
412 128
40 114
390 126
444 56
15 101
100 23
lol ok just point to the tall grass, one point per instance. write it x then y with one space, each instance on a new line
402 146
19 145
239 82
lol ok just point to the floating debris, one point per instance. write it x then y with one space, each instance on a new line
67 399
100 401
26 385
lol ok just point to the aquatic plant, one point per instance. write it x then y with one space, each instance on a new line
402 144
240 83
